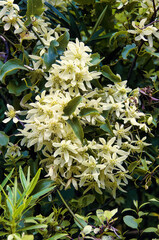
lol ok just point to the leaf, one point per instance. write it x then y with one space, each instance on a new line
95 59
6 180
22 178
127 50
35 8
100 18
130 221
77 128
11 67
23 102
59 14
37 226
71 105
4 139
87 229
88 111
58 236
50 57
152 53
16 87
63 41
107 72
107 127
28 237
150 229
116 34
84 2
132 166
33 182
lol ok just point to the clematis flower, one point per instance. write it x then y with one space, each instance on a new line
144 31
11 114
8 7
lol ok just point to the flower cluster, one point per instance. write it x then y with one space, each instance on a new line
98 163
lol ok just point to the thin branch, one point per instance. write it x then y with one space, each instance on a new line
6 55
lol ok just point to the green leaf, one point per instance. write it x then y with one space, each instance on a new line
50 57
33 182
84 2
96 59
107 127
37 226
28 237
16 87
71 105
4 139
116 34
107 72
150 229
22 178
130 221
98 22
88 111
127 50
63 41
11 67
77 128
132 166
35 8
58 236
41 193
152 53
6 179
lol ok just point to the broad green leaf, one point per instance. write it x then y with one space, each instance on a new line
152 53
127 50
96 59
150 229
63 41
130 221
116 34
50 57
4 139
71 105
100 215
132 166
100 18
16 88
77 128
35 8
107 127
11 67
58 236
107 72
88 111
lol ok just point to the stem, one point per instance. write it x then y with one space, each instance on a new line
6 47
37 35
134 61
154 7
69 209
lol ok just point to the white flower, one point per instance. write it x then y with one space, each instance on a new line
11 114
8 7
143 31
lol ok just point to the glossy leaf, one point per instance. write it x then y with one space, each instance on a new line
4 139
35 8
130 222
11 67
71 106
50 57
127 50
107 127
77 128
63 41
107 72
88 111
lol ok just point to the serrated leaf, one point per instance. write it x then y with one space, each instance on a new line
35 8
50 57
127 50
11 67
107 72
88 111
4 139
130 221
77 128
71 105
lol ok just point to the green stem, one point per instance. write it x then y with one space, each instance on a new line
69 209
